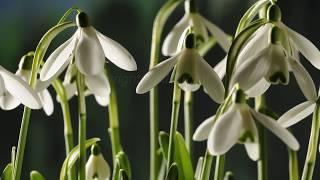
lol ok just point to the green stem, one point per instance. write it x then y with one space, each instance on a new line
313 146
174 123
188 120
260 105
158 25
114 120
219 169
293 165
68 131
82 125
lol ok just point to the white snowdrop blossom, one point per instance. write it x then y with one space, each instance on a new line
190 72
24 72
200 25
97 167
97 85
88 47
237 124
271 54
299 112
14 91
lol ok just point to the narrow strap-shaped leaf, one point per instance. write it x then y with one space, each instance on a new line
73 156
173 173
123 175
124 163
7 173
164 143
35 175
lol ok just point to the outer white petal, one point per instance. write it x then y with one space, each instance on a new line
171 41
102 101
258 89
252 150
156 74
89 55
257 43
304 80
97 165
222 38
58 60
204 129
306 47
253 70
296 114
210 80
116 53
20 89
220 68
46 100
98 84
2 87
8 102
225 132
276 129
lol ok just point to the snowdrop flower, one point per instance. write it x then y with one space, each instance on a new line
88 47
238 125
97 85
190 71
24 72
299 112
97 167
14 91
201 26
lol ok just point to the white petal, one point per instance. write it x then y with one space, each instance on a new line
253 70
171 41
210 80
2 87
102 101
189 87
58 60
156 74
220 68
225 132
98 84
222 38
296 114
20 89
46 100
89 55
204 129
306 47
304 80
116 53
97 166
276 129
8 102
252 150
258 89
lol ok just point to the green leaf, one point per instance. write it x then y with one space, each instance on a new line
35 175
197 174
123 175
73 156
164 143
162 170
237 44
182 158
228 176
124 163
7 173
116 170
250 14
173 173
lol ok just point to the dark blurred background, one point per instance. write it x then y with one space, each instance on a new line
129 22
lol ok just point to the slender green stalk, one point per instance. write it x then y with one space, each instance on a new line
174 123
313 146
68 131
219 169
158 25
82 125
206 168
114 120
293 165
188 120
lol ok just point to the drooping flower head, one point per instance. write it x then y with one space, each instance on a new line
97 167
237 125
201 26
190 72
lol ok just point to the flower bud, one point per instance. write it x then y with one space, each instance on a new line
97 167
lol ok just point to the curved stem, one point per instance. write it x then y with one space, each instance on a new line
188 120
114 120
313 146
174 122
293 165
82 125
158 25
68 130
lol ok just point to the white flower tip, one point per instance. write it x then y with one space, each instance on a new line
140 89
